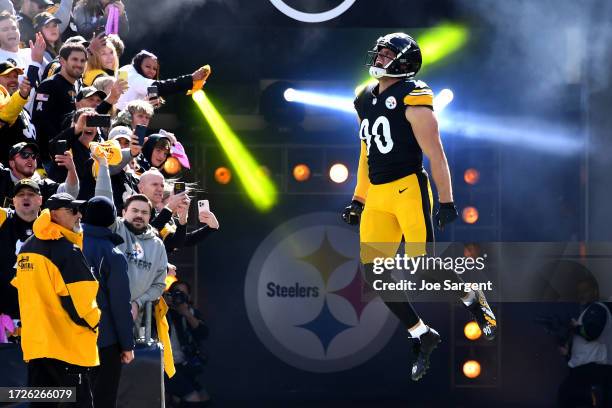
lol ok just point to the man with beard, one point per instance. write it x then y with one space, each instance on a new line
15 121
55 97
22 164
146 255
15 228
147 259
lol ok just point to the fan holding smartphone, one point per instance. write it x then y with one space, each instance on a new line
99 121
145 84
206 216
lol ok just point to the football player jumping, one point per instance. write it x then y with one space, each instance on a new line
393 197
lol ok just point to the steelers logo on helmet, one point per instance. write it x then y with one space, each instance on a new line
406 62
391 102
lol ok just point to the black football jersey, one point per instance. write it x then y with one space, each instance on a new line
393 151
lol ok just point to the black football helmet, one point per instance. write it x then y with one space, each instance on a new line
407 61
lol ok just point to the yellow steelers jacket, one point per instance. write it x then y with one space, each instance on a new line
57 296
10 106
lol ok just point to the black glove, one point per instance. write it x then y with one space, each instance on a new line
445 214
352 213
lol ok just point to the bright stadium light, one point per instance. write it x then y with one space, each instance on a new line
320 99
442 99
338 173
472 331
471 369
290 95
301 172
256 183
346 104
223 175
470 215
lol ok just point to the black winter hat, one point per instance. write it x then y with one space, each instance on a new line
100 212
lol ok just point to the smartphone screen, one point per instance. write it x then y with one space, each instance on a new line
141 132
102 121
152 92
179 187
33 75
61 146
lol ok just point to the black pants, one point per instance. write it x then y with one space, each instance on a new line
48 372
105 378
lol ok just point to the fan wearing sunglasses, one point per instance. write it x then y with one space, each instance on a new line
16 226
23 160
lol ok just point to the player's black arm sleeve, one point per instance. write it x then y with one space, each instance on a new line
593 322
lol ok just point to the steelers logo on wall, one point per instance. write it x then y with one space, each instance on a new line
306 298
307 17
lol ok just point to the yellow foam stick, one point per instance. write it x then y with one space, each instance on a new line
197 85
110 149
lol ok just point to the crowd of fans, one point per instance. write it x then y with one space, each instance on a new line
87 214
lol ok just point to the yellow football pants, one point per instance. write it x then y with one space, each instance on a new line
400 208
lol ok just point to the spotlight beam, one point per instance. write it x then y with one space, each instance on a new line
257 185
344 104
442 99
441 41
320 99
536 135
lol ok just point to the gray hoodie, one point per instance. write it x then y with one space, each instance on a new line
147 262
145 253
